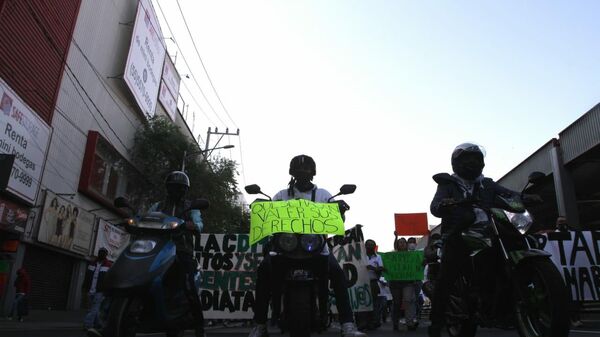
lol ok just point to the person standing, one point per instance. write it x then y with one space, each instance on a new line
374 269
23 288
93 278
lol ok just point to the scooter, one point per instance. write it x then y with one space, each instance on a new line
301 306
145 286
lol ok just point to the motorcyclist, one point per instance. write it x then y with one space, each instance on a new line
302 169
467 182
177 184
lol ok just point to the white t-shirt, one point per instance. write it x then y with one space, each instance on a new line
375 261
321 195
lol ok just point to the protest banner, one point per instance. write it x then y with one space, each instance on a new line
351 254
228 263
403 266
294 216
411 224
576 254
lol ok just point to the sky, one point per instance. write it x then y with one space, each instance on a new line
380 92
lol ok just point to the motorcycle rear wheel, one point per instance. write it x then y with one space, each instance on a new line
123 317
299 317
543 309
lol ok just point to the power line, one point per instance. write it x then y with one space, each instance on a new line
188 66
202 62
242 161
197 104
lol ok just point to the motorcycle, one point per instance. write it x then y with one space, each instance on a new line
508 282
301 306
145 286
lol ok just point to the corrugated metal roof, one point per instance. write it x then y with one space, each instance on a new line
516 178
581 135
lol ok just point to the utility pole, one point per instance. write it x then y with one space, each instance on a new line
216 132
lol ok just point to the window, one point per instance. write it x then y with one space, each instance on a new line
106 175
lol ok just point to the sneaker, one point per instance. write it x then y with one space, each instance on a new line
93 333
349 330
576 323
260 330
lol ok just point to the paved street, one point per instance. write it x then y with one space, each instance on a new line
385 330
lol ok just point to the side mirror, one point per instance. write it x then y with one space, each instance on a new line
200 204
252 189
347 189
536 177
121 202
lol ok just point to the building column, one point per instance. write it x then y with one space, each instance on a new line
564 188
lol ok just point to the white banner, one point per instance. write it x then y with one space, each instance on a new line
114 239
26 135
146 57
66 226
352 257
577 256
228 265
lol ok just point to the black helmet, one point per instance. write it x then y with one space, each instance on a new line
467 160
302 162
177 178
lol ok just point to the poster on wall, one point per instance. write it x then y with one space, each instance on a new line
144 64
111 237
13 217
352 257
228 263
25 135
65 225
576 254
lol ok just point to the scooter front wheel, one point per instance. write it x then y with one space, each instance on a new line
123 317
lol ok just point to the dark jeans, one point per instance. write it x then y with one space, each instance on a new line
455 257
189 266
269 278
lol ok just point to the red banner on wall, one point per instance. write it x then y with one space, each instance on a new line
411 224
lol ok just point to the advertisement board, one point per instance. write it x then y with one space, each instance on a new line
24 134
146 57
111 237
65 225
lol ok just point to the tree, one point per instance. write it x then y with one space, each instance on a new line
159 148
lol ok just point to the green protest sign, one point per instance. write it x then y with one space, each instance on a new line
294 216
403 266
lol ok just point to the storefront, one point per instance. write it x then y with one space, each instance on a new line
13 219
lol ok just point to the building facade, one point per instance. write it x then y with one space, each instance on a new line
78 78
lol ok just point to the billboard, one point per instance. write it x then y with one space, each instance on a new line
66 226
146 57
169 88
25 135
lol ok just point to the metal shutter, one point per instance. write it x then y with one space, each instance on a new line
50 274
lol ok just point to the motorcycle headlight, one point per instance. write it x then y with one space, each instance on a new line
287 242
521 221
142 246
171 225
311 242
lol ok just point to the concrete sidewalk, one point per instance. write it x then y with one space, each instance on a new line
41 320
45 320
